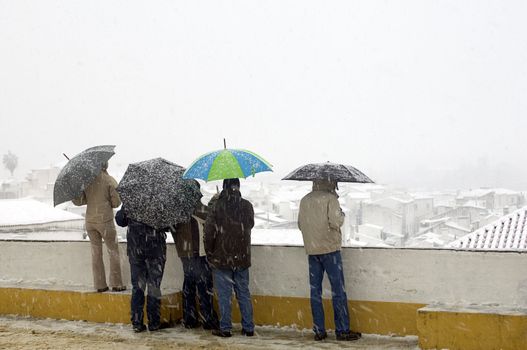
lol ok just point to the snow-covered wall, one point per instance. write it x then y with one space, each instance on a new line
401 275
372 274
57 265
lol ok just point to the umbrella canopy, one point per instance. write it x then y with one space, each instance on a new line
328 171
226 164
79 172
154 193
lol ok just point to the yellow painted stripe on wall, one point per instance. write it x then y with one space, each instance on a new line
471 331
376 317
74 305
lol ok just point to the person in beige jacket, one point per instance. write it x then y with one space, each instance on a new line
320 218
101 197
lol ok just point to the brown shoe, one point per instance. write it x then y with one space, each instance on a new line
118 289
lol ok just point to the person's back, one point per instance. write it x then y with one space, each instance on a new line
101 198
146 250
320 218
229 241
228 247
197 274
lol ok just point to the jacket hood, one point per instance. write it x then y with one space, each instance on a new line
324 185
230 192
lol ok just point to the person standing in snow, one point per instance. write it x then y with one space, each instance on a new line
101 197
188 238
320 218
228 247
146 250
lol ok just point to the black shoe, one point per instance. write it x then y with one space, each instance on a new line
220 333
209 326
247 333
162 325
349 336
138 328
192 325
320 336
101 290
118 289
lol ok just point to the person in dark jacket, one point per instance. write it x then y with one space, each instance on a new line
228 247
146 250
188 238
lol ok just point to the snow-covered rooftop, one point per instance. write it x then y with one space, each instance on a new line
480 192
507 233
27 211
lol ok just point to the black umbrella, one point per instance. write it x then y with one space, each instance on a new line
154 193
79 172
328 171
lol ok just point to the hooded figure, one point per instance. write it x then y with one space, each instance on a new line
228 248
101 197
320 218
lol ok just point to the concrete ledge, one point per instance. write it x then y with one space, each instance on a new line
472 328
80 305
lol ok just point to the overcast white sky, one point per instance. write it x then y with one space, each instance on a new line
415 93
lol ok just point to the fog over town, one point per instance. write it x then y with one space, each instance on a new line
389 89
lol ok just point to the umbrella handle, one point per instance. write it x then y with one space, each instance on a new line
224 144
64 154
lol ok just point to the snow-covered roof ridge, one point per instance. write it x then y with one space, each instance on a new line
507 233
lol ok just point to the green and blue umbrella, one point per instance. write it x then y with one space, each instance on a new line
226 164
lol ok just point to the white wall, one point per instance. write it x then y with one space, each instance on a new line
375 274
68 265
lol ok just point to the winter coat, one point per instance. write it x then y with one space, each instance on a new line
320 218
141 237
188 236
101 197
228 231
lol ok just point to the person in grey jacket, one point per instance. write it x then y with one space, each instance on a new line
320 218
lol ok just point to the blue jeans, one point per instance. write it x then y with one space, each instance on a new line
147 257
224 281
332 264
198 276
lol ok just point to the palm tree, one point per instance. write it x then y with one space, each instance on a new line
10 161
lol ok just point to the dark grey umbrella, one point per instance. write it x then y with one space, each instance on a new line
154 193
328 171
79 172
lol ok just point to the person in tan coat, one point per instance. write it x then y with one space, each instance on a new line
101 197
320 218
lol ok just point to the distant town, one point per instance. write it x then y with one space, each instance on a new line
376 215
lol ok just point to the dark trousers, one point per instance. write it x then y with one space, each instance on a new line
147 257
198 278
331 263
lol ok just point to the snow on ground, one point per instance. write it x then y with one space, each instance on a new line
29 333
27 211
